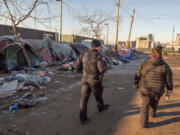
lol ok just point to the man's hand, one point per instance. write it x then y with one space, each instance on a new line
101 78
168 93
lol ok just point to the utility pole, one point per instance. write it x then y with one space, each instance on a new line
107 24
173 40
117 27
60 31
129 37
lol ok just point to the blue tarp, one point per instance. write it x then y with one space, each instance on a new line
130 57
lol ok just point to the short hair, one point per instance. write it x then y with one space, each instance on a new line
157 50
95 43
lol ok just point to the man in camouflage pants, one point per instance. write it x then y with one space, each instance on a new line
93 66
151 78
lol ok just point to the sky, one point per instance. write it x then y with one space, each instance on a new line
151 16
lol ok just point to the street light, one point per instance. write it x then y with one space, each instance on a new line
60 32
107 24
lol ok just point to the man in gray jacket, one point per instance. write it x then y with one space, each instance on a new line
93 66
152 77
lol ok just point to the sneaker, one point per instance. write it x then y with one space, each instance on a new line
105 107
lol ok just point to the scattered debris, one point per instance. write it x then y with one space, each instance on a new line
42 64
28 100
41 73
67 67
13 107
46 79
20 82
51 73
42 87
120 88
57 81
8 88
62 89
41 99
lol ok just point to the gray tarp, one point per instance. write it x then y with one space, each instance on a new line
57 49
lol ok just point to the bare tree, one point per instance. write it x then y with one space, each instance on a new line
16 22
93 25
40 16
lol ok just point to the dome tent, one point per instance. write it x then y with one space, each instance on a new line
11 55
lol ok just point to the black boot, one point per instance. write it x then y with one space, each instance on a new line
83 117
84 121
103 108
146 126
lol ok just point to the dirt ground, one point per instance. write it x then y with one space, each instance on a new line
59 114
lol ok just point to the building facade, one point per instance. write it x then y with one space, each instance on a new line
28 33
71 38
178 40
145 42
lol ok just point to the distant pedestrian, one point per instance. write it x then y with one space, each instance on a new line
152 77
94 67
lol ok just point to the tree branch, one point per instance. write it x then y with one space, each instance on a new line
17 37
94 23
28 14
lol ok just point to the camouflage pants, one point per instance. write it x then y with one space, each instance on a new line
90 84
149 101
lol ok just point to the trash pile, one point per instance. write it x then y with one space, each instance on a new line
115 62
41 64
23 81
27 100
67 67
124 56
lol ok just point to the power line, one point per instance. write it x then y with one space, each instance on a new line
144 19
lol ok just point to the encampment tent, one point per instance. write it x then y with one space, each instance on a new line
11 55
44 49
88 44
79 48
47 49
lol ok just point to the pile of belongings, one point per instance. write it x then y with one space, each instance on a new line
42 64
115 62
110 53
28 100
126 55
67 67
17 82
